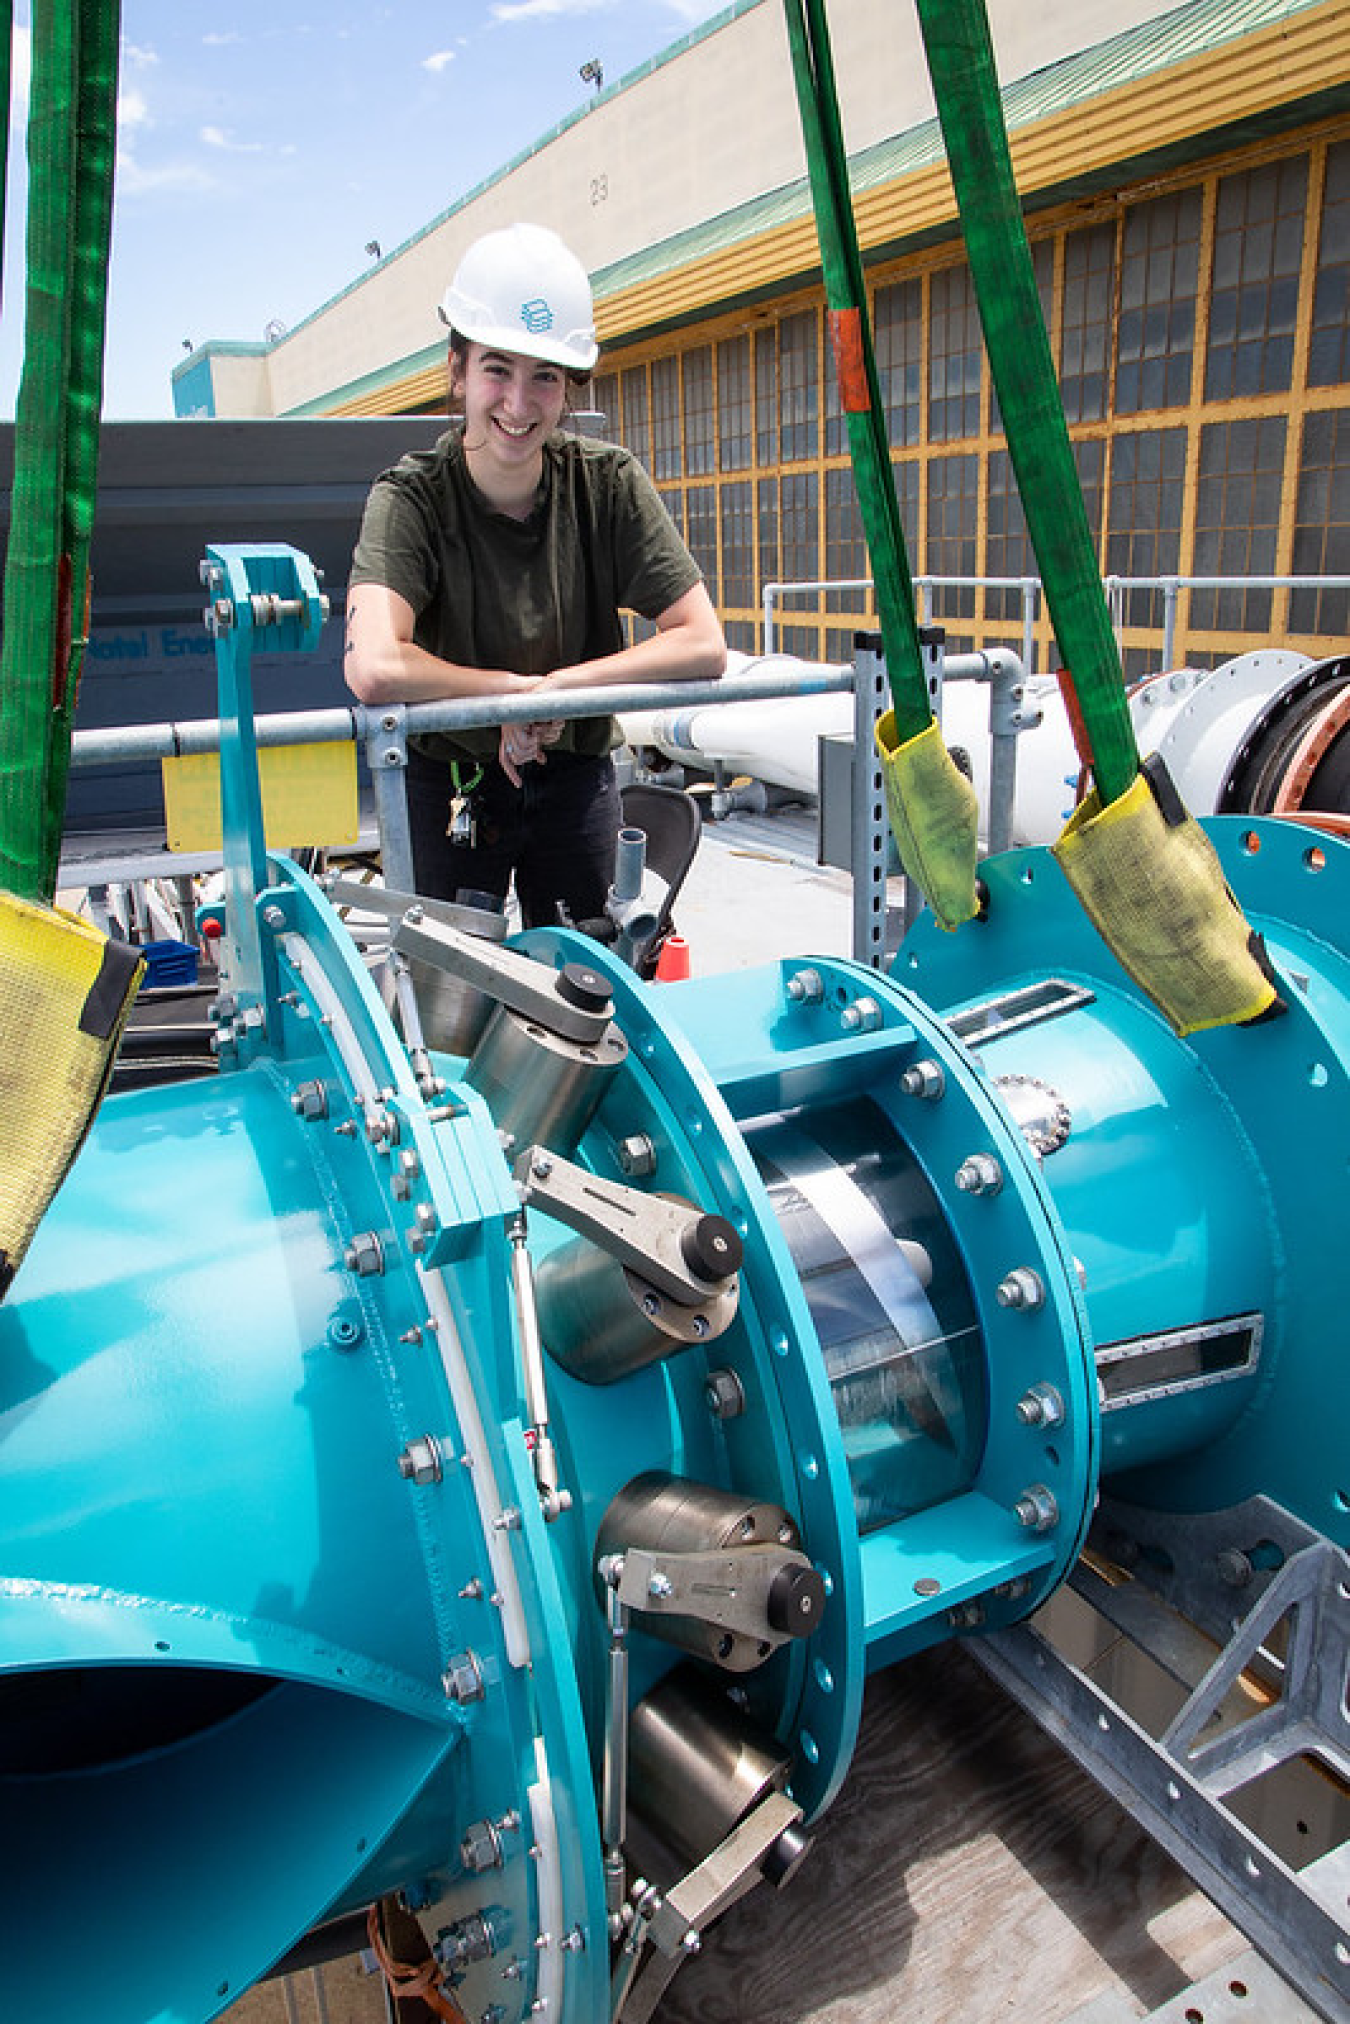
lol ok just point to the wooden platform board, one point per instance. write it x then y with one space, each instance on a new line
968 1873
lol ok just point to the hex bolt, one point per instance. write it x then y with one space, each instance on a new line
980 1174
274 917
507 1519
863 1017
310 1101
806 986
924 1079
1037 1509
1233 1567
420 1461
1022 1288
966 1615
724 1394
365 1255
541 1167
462 1679
1041 1406
481 1848
660 1587
637 1156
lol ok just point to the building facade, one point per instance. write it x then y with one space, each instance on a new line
1187 184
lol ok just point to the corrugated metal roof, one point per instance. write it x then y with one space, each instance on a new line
1191 30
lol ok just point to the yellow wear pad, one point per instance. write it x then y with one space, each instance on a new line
933 812
308 797
65 991
1155 891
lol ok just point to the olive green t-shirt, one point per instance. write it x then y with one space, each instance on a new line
529 595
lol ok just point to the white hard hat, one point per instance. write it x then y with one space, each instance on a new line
522 290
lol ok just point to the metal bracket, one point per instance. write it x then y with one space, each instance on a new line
674 1923
1188 1574
531 988
766 1592
648 1234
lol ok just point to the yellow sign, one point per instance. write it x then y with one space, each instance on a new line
308 797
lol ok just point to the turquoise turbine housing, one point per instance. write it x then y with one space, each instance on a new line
292 1618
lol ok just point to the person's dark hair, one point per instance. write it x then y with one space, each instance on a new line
577 382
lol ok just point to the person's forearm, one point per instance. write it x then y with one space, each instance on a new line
673 656
400 672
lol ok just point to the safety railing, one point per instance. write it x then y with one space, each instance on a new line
382 734
1117 588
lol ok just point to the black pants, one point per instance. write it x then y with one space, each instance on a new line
556 833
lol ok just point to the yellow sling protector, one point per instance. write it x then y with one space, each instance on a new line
1150 880
65 991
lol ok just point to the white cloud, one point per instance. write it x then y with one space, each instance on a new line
440 60
135 181
218 137
132 112
221 38
138 56
540 10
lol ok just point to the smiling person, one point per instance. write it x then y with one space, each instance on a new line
497 563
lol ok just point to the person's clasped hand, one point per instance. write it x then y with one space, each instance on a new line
523 745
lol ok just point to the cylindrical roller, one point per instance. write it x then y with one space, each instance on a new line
601 1321
697 1765
453 1013
659 1513
541 1088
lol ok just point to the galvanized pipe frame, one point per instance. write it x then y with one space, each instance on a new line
383 732
1178 1792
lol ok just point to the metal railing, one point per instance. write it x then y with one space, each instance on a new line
383 734
1030 588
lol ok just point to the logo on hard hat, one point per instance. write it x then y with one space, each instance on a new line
536 316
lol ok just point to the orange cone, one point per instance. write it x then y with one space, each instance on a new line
673 961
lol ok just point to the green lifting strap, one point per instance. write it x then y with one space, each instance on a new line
933 810
965 85
71 136
859 391
1142 868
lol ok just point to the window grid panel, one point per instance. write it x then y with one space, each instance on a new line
799 388
1155 328
701 528
665 419
734 451
955 357
1258 255
1237 519
1085 331
1145 501
767 536
696 380
1322 523
845 544
899 356
736 516
605 398
1007 543
1329 350
799 515
952 545
766 398
637 424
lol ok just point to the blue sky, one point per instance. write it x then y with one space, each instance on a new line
263 144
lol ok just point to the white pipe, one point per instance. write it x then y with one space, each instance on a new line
1196 719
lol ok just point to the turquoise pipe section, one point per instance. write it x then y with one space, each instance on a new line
1201 1179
